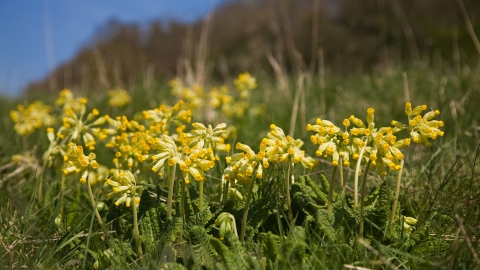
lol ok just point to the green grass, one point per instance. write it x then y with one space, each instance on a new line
440 188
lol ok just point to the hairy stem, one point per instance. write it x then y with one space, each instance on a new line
342 185
357 172
135 223
397 192
287 190
170 191
245 210
200 204
225 192
97 215
330 190
362 203
182 210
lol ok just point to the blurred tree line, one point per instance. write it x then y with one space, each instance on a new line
348 36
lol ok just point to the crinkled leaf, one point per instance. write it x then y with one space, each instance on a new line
324 221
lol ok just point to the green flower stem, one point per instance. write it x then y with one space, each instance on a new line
287 189
135 223
200 204
330 190
225 192
94 205
245 210
362 203
397 192
170 191
357 171
182 211
341 173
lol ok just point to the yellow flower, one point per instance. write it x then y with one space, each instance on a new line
76 162
123 184
77 128
34 116
245 83
118 97
207 136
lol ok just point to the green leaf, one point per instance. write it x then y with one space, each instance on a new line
229 259
430 247
149 230
295 248
202 250
419 235
172 230
322 196
324 221
269 243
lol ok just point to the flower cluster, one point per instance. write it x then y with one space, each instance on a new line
76 162
244 84
280 148
194 155
129 140
66 100
194 95
203 136
123 184
34 116
77 128
422 128
274 148
118 97
381 147
159 119
219 97
242 165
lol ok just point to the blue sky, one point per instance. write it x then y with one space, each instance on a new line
38 35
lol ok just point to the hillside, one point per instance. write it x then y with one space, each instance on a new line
354 36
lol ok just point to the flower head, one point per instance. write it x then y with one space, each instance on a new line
245 83
207 136
118 97
280 148
123 184
34 116
76 162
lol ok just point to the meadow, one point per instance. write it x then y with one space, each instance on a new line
366 171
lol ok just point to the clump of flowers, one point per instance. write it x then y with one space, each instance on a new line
76 162
281 148
379 148
118 97
241 166
129 140
275 148
159 120
34 116
124 186
193 95
421 129
66 100
75 127
244 84
219 98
